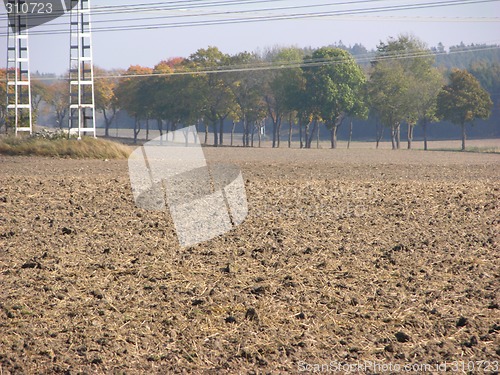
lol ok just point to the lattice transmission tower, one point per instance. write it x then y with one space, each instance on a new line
18 70
81 70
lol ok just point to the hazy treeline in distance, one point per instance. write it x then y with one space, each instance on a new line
289 95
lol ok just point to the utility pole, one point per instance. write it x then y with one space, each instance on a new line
18 69
81 71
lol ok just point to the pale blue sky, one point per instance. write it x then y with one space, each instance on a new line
119 49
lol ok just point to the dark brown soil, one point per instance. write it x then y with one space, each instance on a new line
345 256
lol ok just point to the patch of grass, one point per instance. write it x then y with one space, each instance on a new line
87 148
472 149
488 150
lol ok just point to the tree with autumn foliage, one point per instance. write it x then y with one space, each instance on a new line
463 100
39 92
217 99
175 97
132 95
58 98
105 99
162 97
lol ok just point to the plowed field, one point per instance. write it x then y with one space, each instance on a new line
346 256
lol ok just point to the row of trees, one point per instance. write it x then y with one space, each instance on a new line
406 87
325 87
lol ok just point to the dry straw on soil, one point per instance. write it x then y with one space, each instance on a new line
87 148
347 255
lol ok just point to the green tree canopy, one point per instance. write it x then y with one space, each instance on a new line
217 99
281 85
403 84
463 100
246 86
335 87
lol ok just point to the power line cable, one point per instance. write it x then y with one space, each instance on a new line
228 12
211 14
304 63
148 7
433 4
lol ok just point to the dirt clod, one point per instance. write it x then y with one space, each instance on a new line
402 337
471 342
251 314
461 322
300 315
66 230
31 264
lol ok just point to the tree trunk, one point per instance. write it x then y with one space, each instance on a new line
243 137
260 136
393 137
137 129
221 131
315 126
464 136
410 135
334 136
290 132
278 133
160 126
275 130
185 132
398 136
317 136
206 133
147 128
350 134
216 137
60 119
117 126
253 134
106 123
276 126
248 131
424 128
300 135
232 132
306 134
380 133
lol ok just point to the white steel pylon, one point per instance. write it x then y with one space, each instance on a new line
81 71
18 71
